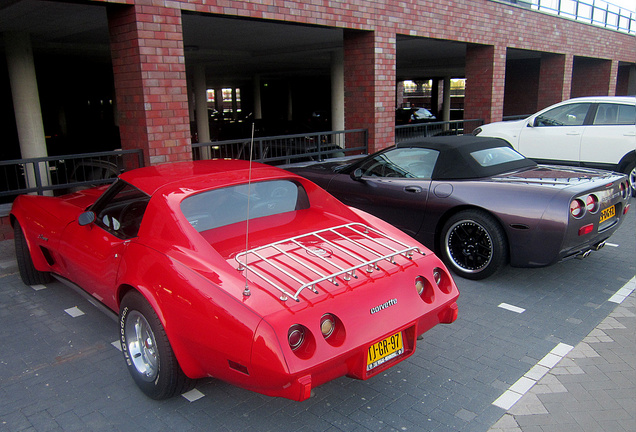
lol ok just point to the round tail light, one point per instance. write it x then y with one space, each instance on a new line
296 336
577 208
327 325
443 280
332 329
591 203
425 289
420 284
437 276
301 341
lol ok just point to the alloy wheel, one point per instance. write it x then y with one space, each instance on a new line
469 245
142 346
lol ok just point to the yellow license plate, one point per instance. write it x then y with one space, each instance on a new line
385 350
607 213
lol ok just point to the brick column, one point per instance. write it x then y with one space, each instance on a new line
485 82
150 81
555 79
593 77
369 82
613 78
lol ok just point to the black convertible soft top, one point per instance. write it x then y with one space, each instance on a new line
455 160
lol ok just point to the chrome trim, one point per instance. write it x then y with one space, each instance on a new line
359 246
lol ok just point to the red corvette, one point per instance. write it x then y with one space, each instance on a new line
257 277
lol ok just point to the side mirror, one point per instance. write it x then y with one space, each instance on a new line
356 174
86 218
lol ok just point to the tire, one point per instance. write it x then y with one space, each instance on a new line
28 273
630 170
473 244
147 351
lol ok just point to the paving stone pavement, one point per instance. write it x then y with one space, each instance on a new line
518 333
592 388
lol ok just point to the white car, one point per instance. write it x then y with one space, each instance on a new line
596 132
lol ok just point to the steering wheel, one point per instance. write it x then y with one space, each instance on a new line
130 216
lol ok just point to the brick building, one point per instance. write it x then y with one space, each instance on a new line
515 60
93 75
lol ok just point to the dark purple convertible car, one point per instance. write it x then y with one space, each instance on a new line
479 203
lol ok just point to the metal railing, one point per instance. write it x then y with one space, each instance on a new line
285 149
596 12
419 130
57 175
66 173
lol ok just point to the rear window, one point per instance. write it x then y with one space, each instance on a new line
220 207
495 156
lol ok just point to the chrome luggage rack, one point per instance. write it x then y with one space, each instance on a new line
282 263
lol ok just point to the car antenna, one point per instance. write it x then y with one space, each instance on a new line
246 291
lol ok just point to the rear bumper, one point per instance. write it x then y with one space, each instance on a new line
596 239
545 247
298 386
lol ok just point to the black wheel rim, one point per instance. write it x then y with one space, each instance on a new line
469 246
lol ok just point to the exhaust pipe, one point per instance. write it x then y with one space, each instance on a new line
583 254
600 245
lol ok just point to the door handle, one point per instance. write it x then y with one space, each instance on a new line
573 133
413 189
